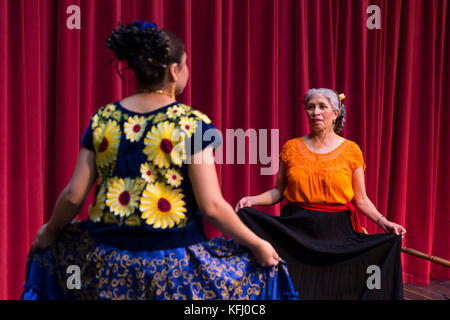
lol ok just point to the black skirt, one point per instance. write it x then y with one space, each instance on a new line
326 258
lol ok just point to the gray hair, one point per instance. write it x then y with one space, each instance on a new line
336 105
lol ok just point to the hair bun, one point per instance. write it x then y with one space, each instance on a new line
146 49
340 120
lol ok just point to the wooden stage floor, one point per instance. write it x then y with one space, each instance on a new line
437 290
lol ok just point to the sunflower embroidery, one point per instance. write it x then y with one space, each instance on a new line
123 196
154 197
134 128
188 125
148 172
106 142
164 145
173 177
162 206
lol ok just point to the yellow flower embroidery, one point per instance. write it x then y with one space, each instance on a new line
164 145
162 206
188 125
106 142
134 128
95 212
202 116
173 177
148 172
184 107
94 121
123 196
108 110
175 112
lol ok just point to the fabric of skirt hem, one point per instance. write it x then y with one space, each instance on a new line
326 258
214 269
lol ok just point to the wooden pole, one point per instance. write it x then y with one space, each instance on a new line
422 255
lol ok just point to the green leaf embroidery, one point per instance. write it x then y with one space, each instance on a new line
116 115
160 117
133 221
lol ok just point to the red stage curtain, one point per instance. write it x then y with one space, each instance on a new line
251 62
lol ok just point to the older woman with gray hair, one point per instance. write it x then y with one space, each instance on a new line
318 231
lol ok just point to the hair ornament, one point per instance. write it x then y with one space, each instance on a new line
156 63
144 25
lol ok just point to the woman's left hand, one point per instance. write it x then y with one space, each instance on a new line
391 227
44 238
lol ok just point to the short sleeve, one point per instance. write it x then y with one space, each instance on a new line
283 153
86 140
286 152
205 135
357 158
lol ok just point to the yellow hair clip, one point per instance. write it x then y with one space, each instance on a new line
341 96
156 63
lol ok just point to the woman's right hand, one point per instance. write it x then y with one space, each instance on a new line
244 202
265 254
44 238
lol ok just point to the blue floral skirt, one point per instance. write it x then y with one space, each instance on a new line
77 266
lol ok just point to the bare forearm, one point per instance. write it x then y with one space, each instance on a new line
223 217
63 213
368 208
267 198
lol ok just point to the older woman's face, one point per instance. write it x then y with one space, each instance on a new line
320 112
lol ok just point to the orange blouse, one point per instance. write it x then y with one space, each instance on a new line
320 178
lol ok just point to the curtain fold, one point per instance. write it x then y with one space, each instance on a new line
251 62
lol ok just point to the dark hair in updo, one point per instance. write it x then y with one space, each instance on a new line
146 50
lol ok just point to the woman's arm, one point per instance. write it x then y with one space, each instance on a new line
70 200
366 206
269 197
203 177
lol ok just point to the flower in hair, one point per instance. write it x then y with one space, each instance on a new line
144 25
341 96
